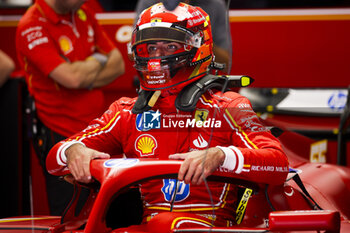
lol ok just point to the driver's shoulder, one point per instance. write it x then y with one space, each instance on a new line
124 104
224 98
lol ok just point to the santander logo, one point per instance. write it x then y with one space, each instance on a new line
200 142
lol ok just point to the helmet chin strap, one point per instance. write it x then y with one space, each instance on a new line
147 98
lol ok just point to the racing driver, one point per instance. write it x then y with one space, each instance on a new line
173 54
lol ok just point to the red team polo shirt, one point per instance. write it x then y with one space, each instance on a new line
44 40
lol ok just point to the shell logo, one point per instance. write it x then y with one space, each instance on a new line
65 44
145 144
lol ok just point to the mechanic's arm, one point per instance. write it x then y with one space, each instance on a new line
89 73
113 68
7 65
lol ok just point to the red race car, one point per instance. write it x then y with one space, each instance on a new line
313 198
318 201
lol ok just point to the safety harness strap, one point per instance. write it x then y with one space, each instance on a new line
298 181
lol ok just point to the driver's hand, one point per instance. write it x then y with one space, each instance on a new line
78 161
198 165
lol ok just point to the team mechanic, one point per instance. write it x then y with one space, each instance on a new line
173 52
67 58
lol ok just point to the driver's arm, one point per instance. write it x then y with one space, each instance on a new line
78 161
254 154
199 164
99 140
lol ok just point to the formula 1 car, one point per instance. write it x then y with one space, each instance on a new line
314 198
318 113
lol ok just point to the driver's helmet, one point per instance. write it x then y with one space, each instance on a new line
171 47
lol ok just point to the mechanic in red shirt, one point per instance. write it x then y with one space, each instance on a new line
67 57
170 120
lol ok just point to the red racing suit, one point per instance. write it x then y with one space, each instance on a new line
220 119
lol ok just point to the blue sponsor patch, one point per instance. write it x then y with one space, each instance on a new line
183 190
121 163
337 100
148 120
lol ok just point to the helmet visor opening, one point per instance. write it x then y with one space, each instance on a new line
166 34
158 49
